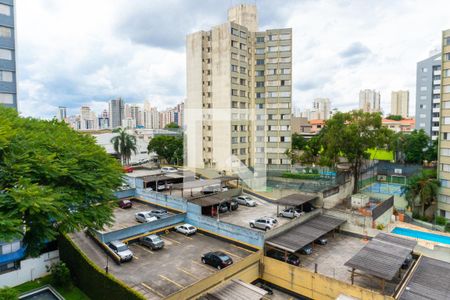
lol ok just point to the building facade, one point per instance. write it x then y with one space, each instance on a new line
321 110
116 112
238 106
428 95
369 101
8 84
400 103
443 206
62 113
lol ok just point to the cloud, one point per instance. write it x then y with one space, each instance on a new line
355 53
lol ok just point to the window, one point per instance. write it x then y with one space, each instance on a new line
273 37
242 105
423 88
259 73
285 139
271 71
234 104
235 116
285 82
423 97
260 106
424 70
234 92
446 88
234 44
422 125
446 120
234 140
234 55
6 76
272 83
6 98
5 54
234 80
260 84
284 94
234 31
423 106
260 39
259 117
445 183
242 151
259 62
5 9
234 151
447 40
242 81
243 139
445 152
259 51
259 95
259 139
445 167
422 116
447 56
243 58
285 71
285 59
446 104
285 36
259 127
272 49
243 70
272 139
5 32
446 136
234 68
242 93
284 48
243 46
243 34
444 198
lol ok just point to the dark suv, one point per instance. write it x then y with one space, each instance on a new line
232 205
291 259
217 259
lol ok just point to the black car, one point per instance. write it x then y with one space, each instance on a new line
232 205
291 259
407 262
307 250
321 241
222 207
217 259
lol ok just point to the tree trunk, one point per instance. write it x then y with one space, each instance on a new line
355 177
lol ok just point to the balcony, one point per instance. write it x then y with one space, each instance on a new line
435 128
437 100
13 256
436 91
435 119
436 82
436 109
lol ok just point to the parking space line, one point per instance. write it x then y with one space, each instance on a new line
206 268
170 280
145 249
152 290
232 254
185 236
174 241
188 273
235 246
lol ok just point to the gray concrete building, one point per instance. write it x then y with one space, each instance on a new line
116 112
8 85
428 95
238 107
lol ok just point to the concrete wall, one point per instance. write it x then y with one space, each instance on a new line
385 218
312 285
125 193
344 192
356 223
168 201
30 269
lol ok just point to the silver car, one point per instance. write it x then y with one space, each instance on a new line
152 241
245 200
290 213
145 217
264 223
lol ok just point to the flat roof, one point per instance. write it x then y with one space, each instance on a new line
430 280
195 184
296 199
154 178
383 256
210 200
235 289
303 234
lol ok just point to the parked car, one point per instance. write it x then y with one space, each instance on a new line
121 250
217 259
245 200
152 241
214 188
306 207
145 217
407 262
162 187
232 205
125 203
127 169
222 207
307 250
168 170
159 213
291 259
289 213
264 223
321 241
186 229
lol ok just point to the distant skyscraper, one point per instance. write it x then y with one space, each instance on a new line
87 118
369 101
151 116
62 113
320 110
428 94
400 103
136 114
116 112
103 120
443 206
8 84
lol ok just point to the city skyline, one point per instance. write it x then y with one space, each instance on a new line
154 65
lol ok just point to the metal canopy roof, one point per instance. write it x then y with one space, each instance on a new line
303 234
210 200
154 178
235 289
296 199
383 256
195 184
431 280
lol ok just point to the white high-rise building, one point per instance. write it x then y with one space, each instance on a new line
62 113
369 101
400 103
150 116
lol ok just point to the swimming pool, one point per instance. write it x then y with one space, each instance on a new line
384 188
422 235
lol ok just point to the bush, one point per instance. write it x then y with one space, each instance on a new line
380 226
441 220
447 227
8 293
301 176
60 275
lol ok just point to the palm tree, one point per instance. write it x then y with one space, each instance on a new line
422 190
124 144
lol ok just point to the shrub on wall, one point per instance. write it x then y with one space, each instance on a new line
91 279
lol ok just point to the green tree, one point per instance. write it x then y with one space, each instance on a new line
168 148
172 125
298 142
8 293
53 179
422 190
311 152
394 117
124 144
350 135
60 274
416 145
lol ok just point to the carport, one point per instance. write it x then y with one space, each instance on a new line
152 181
209 203
381 258
190 185
304 234
295 200
235 289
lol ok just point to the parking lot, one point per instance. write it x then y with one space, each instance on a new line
124 218
157 274
243 215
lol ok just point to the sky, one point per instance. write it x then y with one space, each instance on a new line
79 52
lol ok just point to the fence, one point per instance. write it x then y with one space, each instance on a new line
168 201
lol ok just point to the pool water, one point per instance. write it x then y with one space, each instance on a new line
385 188
422 235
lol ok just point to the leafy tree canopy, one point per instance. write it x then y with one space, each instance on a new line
172 125
168 148
298 142
414 147
52 179
394 117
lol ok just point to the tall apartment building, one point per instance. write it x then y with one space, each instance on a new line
8 84
238 106
443 206
369 101
400 103
428 94
103 120
62 113
151 116
320 111
87 119
116 112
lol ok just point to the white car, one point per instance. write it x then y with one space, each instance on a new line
290 213
264 223
168 170
245 200
145 217
186 229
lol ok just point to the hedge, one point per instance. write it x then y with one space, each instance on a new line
91 279
301 176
